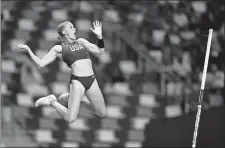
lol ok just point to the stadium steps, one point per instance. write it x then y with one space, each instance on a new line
126 115
15 136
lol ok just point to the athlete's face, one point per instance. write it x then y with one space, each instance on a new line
70 31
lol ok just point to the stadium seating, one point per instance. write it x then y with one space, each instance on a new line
131 101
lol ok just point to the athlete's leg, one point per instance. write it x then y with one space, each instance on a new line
96 99
83 103
62 110
64 97
51 100
76 94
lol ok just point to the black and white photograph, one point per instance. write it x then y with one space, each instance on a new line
112 73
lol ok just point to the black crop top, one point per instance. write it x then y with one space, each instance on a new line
72 52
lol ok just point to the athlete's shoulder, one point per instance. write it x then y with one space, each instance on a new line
57 48
83 40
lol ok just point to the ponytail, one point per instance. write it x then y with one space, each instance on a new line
59 30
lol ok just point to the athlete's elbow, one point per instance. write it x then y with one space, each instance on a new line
101 51
40 65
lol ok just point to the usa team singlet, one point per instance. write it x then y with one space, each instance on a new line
72 52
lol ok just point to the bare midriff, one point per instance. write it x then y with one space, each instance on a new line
82 68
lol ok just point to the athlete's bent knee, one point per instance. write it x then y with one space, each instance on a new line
71 120
102 113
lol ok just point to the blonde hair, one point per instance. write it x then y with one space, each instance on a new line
60 29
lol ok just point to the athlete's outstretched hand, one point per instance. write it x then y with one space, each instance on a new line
22 46
97 29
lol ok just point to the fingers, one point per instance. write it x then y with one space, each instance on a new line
94 23
97 24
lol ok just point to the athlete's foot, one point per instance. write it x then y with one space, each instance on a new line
45 100
64 97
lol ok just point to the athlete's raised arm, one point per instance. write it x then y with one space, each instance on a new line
47 59
99 48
